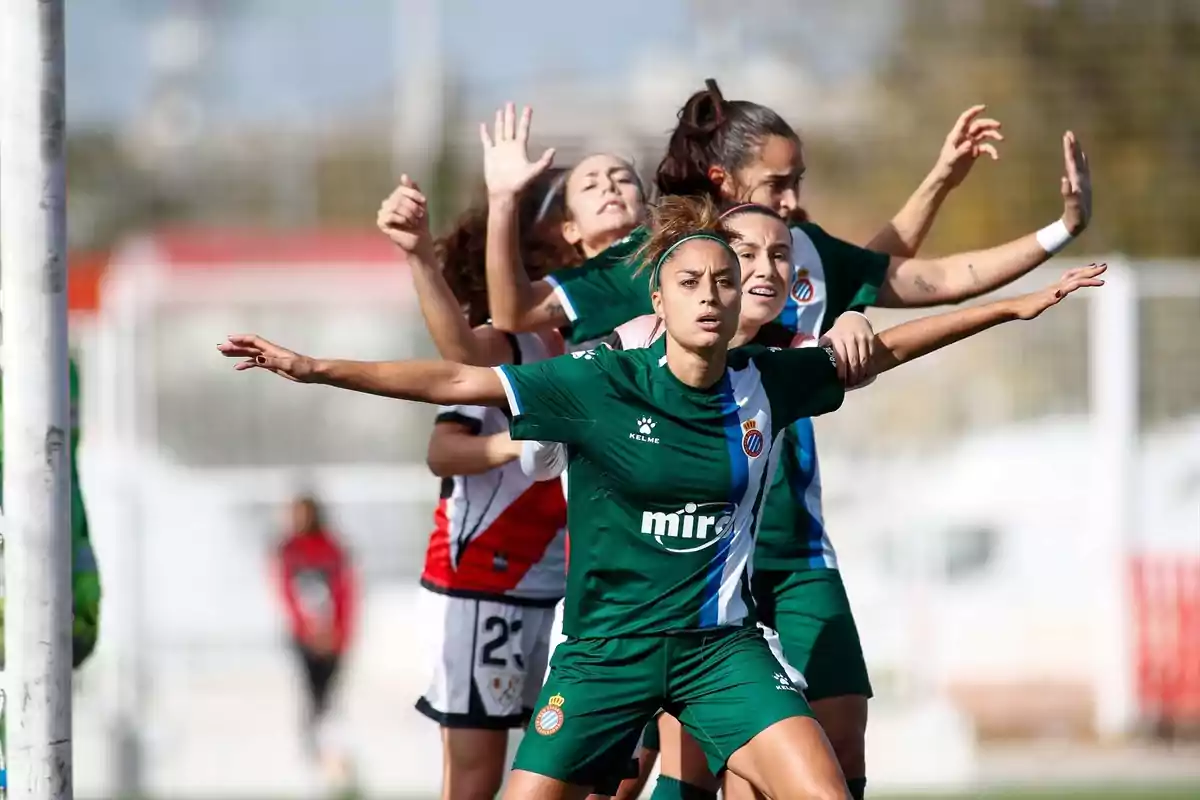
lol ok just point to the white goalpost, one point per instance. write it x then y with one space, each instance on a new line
33 273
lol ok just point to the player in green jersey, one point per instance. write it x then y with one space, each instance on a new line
669 450
85 575
591 300
741 151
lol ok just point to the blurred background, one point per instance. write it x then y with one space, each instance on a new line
1018 518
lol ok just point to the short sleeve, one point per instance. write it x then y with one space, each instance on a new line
853 274
549 400
800 383
470 417
603 292
543 461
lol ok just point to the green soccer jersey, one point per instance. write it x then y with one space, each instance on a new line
667 480
603 292
830 277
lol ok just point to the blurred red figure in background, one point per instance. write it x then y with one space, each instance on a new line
318 587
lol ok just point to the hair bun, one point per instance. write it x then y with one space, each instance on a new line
704 111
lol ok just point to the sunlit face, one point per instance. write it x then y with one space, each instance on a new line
604 202
765 255
772 179
699 295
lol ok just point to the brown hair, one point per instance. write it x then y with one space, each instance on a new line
713 131
462 250
673 219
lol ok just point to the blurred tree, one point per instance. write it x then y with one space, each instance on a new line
1120 73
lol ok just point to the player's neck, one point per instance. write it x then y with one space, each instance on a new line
697 369
747 330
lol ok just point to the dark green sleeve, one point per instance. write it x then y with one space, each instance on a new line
549 400
853 274
604 292
800 383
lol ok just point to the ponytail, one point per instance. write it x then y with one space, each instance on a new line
713 131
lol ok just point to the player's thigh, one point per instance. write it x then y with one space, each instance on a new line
590 713
791 758
844 720
681 757
477 669
474 762
726 688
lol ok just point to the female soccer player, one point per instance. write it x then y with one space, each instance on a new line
603 293
741 151
494 568
669 449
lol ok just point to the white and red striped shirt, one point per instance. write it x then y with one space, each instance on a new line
499 534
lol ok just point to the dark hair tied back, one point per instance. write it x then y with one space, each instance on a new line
713 131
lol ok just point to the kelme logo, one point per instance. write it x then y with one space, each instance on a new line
692 528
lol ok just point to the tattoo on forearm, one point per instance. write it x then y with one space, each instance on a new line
924 285
974 275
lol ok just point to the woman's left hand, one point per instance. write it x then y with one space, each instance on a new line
853 341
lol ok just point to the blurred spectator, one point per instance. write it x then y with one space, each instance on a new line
318 589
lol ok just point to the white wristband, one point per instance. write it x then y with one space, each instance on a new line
1054 237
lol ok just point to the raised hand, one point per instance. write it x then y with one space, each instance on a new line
506 165
1031 305
1076 186
404 217
970 138
261 354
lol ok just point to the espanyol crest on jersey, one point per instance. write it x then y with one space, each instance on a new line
806 302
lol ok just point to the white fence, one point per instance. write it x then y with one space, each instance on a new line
983 501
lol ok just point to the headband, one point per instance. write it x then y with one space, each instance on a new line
748 207
551 193
656 273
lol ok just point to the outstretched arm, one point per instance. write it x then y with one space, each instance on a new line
967 140
517 304
441 382
403 217
911 340
913 282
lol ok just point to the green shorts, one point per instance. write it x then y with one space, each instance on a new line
811 613
724 686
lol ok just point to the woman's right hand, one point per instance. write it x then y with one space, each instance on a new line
506 165
404 217
261 354
1031 305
